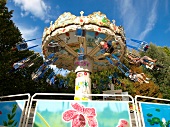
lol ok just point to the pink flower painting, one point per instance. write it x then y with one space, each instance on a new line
123 123
80 115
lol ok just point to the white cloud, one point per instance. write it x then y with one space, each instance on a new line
47 21
138 18
151 21
23 14
37 8
127 13
29 33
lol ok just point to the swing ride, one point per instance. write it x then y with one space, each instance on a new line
75 40
44 67
26 62
22 46
85 44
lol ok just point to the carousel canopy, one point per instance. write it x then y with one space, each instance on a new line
75 38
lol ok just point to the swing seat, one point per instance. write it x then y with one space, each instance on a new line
81 57
133 55
48 62
144 47
127 74
80 32
47 80
110 61
149 67
115 57
53 49
39 73
129 60
30 64
34 76
15 66
49 77
51 56
117 54
151 64
54 60
22 46
53 44
42 73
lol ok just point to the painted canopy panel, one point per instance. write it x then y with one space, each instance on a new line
56 113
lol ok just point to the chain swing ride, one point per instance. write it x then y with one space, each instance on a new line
85 44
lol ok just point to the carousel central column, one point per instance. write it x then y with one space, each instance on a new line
83 69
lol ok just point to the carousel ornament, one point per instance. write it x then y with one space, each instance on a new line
113 21
81 18
81 13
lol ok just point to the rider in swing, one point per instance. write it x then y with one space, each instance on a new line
107 46
139 77
139 61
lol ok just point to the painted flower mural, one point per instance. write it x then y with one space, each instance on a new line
79 115
123 123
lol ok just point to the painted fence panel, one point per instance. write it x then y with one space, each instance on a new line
68 113
11 113
155 114
152 113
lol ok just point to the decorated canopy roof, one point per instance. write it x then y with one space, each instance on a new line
71 37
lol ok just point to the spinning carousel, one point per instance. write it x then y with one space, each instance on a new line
76 41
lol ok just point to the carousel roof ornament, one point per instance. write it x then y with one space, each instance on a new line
81 13
113 21
96 18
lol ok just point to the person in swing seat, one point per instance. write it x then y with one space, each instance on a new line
138 61
141 78
107 46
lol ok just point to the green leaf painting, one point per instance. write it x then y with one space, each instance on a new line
11 113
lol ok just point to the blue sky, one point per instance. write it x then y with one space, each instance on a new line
147 20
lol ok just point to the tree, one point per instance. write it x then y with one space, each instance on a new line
162 77
9 33
19 81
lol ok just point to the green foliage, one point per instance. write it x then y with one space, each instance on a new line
11 122
160 78
9 33
166 50
71 76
